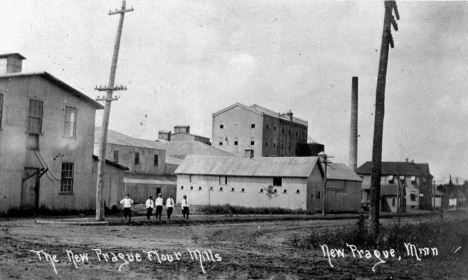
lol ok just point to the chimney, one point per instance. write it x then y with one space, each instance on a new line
11 63
353 133
164 135
290 116
407 159
182 128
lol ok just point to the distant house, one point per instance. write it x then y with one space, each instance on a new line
343 189
414 178
254 129
182 133
393 198
112 192
219 180
46 136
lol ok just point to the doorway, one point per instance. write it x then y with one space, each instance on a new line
30 188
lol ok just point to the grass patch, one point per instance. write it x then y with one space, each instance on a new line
443 235
241 210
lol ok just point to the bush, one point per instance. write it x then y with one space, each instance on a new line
241 210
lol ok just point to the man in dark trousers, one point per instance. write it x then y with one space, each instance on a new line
149 207
159 206
185 208
170 206
127 207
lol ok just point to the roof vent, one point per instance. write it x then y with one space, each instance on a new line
11 63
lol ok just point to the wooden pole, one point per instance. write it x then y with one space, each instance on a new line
324 207
105 119
374 211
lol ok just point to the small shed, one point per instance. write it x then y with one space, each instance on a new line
343 189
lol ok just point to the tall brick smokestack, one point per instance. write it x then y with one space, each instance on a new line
353 133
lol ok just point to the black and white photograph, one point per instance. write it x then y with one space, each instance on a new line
237 139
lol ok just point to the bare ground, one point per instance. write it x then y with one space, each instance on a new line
245 251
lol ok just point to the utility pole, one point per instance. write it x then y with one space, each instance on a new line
105 119
325 162
374 212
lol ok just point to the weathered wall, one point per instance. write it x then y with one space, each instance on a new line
54 147
242 191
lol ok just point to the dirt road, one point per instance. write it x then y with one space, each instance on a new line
225 251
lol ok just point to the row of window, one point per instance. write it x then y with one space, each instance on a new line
223 180
252 125
392 178
242 190
136 158
34 123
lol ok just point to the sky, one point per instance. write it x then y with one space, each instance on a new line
184 60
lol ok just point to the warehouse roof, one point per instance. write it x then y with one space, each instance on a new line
340 171
397 168
250 167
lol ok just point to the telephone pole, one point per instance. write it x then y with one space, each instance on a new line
387 39
105 119
325 161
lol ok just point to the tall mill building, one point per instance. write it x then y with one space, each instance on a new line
257 131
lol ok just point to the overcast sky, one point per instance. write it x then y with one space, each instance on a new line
184 60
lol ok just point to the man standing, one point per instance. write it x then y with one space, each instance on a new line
170 206
149 207
127 207
159 206
185 208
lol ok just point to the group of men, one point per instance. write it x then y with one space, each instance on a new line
158 203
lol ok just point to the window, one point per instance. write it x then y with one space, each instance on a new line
181 187
69 129
317 195
199 188
1 109
236 126
221 189
252 125
137 158
220 141
285 191
116 156
34 128
266 144
274 145
191 188
413 179
211 188
35 117
232 189
66 182
243 190
252 141
297 191
274 128
390 179
223 180
277 181
393 201
190 178
236 141
282 130
275 190
413 197
402 178
156 160
266 126
261 190
221 126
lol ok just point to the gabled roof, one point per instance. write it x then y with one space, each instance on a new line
181 149
237 105
397 168
95 157
191 134
3 55
249 167
117 138
58 83
340 171
139 178
178 149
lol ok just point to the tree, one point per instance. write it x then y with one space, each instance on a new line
270 193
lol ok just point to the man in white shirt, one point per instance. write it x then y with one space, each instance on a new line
149 207
127 207
170 206
185 207
159 206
